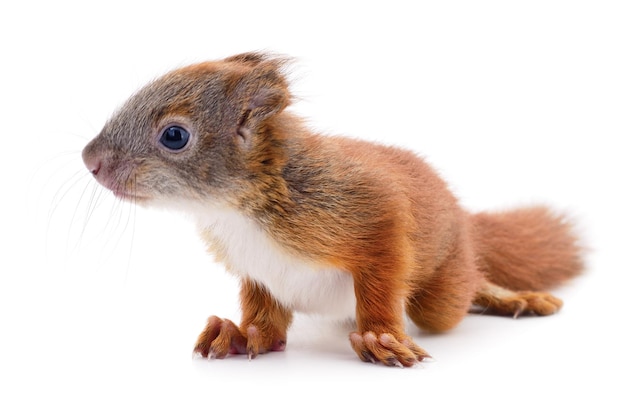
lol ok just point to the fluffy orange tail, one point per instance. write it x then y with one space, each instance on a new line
527 249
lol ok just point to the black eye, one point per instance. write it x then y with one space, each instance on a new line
175 138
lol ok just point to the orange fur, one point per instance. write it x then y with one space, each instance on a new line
526 249
378 213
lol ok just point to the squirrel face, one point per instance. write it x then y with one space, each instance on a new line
197 132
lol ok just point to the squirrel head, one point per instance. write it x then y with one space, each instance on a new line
200 131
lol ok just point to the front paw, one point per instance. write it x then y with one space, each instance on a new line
219 338
222 337
387 349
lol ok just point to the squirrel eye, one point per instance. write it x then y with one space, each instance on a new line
174 138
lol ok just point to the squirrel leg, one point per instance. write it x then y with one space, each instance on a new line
263 327
442 301
380 335
507 302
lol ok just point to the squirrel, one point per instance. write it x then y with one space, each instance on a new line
319 224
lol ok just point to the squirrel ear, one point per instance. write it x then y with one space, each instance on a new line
262 92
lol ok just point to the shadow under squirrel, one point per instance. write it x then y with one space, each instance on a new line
319 224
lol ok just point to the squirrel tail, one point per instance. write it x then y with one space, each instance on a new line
526 249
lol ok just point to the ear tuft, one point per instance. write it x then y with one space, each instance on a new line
250 58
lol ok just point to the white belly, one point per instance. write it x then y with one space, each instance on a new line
296 283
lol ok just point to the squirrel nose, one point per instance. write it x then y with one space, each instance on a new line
93 163
94 169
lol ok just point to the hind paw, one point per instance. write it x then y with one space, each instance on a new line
507 302
538 303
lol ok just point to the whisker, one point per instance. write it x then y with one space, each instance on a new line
133 219
62 192
118 222
92 202
58 198
95 200
116 213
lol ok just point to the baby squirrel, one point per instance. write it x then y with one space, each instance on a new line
318 224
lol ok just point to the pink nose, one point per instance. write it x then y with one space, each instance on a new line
93 163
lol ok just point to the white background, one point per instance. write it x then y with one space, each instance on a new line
101 302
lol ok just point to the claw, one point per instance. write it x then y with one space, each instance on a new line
222 337
425 358
393 362
369 357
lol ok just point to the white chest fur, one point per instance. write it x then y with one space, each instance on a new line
296 283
